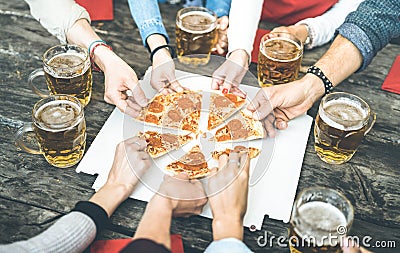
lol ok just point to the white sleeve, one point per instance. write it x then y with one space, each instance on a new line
243 24
322 28
72 233
57 16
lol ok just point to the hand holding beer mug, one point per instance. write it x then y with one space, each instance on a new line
196 35
321 218
279 58
342 121
60 129
67 71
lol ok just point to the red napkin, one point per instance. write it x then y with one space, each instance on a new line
114 246
99 9
256 44
392 81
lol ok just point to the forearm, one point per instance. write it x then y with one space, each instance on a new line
243 24
110 197
57 16
322 28
156 221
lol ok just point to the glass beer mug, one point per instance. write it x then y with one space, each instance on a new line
196 35
67 71
279 58
60 130
321 218
342 121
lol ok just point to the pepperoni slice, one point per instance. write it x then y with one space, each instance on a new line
185 103
156 107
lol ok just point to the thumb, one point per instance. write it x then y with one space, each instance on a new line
139 95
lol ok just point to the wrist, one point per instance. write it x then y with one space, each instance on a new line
102 55
313 87
227 227
240 56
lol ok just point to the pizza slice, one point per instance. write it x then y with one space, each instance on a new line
253 152
153 112
193 163
240 128
223 106
183 111
159 144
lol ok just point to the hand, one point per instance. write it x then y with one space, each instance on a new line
222 27
229 205
286 101
130 163
229 75
186 197
300 31
163 74
120 78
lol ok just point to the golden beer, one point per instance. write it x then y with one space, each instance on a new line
320 219
60 129
279 59
340 125
67 71
196 35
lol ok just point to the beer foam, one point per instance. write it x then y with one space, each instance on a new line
199 13
318 219
343 114
57 115
299 54
65 65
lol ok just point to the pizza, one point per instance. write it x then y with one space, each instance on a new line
179 110
253 152
159 144
193 163
240 128
223 106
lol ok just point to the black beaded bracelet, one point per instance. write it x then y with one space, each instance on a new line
327 84
170 48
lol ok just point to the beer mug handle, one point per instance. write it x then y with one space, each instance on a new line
33 75
371 122
20 142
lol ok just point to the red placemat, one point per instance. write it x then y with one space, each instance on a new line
256 44
115 245
99 9
392 81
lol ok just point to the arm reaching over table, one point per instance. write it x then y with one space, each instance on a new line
75 231
361 36
177 196
229 205
70 22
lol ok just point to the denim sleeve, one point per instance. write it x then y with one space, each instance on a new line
372 26
220 7
227 245
147 18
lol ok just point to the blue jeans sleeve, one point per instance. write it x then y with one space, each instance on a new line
227 245
146 14
220 7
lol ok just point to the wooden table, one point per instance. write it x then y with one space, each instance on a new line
32 193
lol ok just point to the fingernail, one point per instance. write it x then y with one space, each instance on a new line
225 91
282 125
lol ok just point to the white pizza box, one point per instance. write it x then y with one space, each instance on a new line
274 173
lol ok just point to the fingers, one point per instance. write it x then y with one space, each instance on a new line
222 161
176 86
260 106
245 162
223 23
233 162
137 143
139 95
269 125
238 92
216 82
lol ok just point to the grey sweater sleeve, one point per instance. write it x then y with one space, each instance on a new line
372 26
73 232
